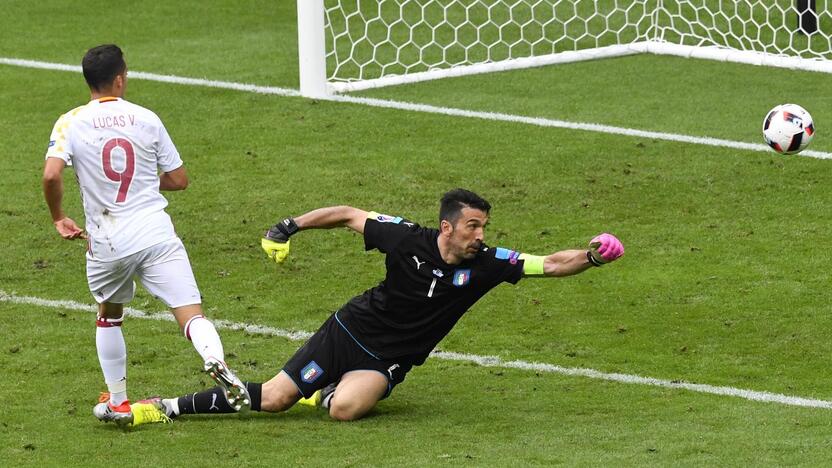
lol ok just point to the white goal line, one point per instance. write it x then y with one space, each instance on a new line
485 361
427 108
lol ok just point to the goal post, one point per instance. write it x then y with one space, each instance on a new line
312 48
352 45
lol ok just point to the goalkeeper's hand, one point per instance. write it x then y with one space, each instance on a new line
277 251
276 241
604 248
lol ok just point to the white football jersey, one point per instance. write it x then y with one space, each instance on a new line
117 149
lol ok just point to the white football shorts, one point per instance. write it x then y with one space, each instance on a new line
163 269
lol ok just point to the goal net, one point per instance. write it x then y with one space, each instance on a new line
348 45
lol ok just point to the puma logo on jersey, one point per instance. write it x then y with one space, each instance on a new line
418 263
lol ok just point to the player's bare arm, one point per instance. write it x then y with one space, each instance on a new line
332 217
565 263
53 191
276 241
176 179
603 249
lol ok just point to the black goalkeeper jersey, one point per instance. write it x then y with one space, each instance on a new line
421 297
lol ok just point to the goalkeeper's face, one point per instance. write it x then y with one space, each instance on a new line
468 233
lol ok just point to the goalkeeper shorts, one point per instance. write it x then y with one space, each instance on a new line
330 353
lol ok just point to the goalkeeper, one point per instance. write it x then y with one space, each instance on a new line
366 348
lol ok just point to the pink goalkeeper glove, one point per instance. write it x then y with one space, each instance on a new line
604 248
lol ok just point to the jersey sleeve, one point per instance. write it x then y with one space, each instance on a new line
59 143
506 265
384 232
168 158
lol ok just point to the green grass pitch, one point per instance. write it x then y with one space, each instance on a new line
724 282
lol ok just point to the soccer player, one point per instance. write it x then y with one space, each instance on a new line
123 156
369 345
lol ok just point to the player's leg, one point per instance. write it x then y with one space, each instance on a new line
282 391
362 380
356 394
359 390
166 273
316 364
111 285
202 333
112 350
199 331
301 375
279 394
211 401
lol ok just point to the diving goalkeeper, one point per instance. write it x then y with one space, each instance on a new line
366 348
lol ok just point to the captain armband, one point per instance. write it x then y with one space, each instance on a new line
532 264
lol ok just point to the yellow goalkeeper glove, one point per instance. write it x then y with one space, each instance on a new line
277 251
276 241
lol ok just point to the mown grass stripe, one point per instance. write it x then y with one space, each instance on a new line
431 109
485 361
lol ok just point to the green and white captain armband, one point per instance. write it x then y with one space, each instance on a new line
532 264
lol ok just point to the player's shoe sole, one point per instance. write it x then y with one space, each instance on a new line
235 392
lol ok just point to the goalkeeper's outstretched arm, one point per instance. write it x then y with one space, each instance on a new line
332 217
603 248
276 241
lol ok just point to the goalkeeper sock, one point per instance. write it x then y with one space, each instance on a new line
326 395
213 401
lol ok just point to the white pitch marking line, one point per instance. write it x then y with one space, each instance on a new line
590 127
485 361
427 108
250 88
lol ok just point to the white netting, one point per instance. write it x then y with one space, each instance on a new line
768 26
369 39
366 40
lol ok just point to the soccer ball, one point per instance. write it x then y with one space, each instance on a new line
788 128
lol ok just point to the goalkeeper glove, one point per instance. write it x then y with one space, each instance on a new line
276 241
603 249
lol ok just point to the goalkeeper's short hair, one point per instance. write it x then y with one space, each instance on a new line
453 201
